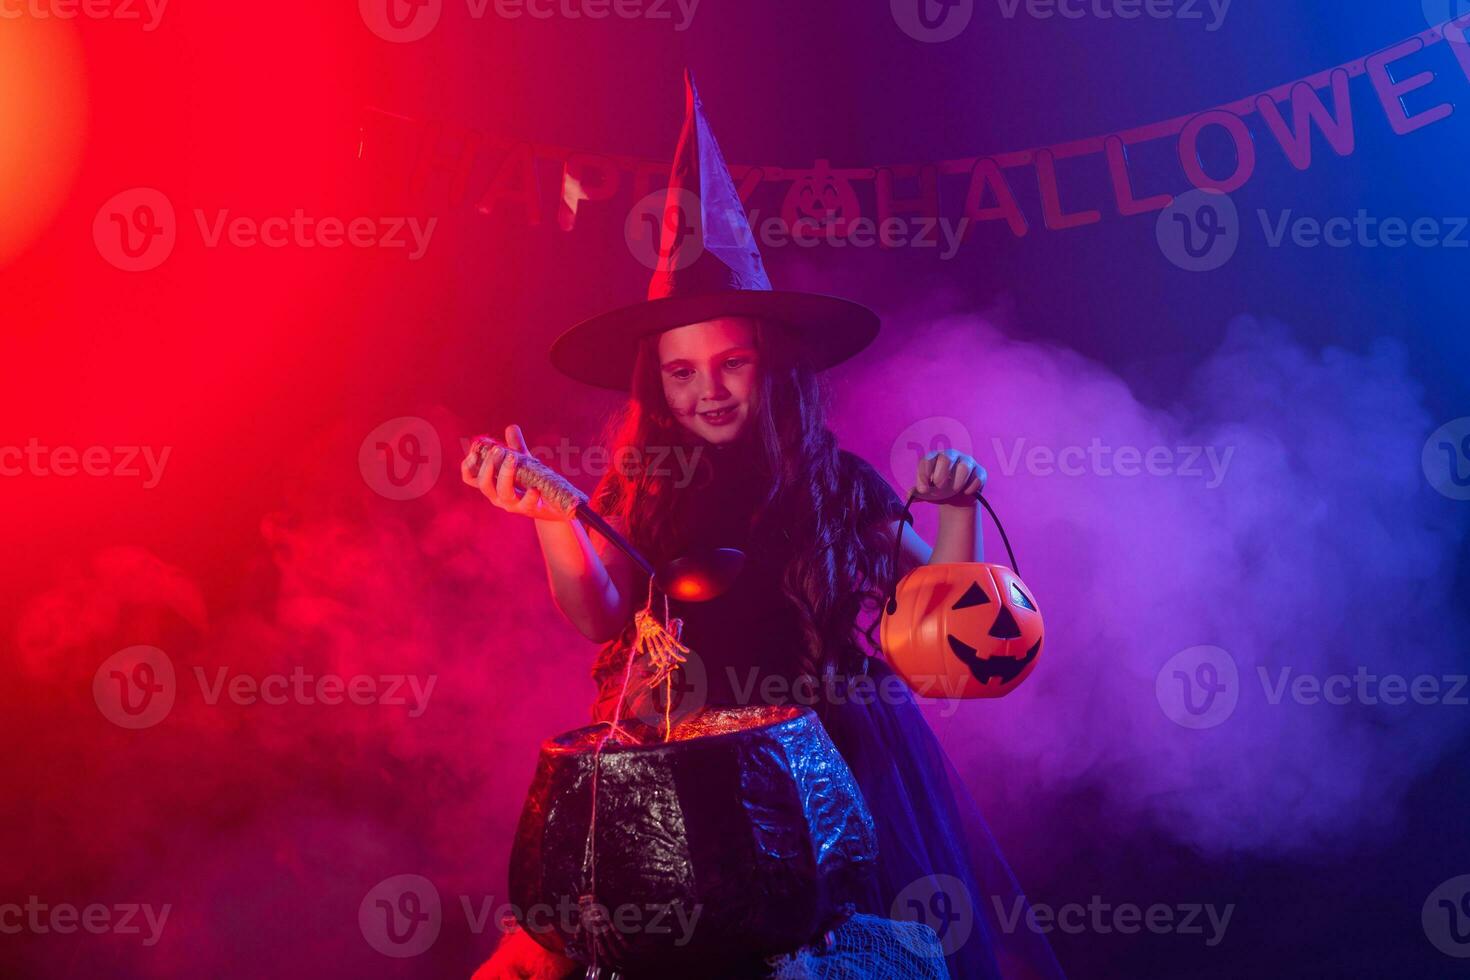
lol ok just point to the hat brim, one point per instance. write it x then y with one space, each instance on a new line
602 350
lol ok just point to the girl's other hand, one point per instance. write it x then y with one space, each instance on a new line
949 477
519 957
494 472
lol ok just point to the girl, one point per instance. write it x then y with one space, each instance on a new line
817 525
724 373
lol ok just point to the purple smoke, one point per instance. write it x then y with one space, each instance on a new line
1319 547
1311 541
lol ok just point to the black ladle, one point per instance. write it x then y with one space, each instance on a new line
692 578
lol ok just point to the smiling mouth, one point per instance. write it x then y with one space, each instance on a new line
719 416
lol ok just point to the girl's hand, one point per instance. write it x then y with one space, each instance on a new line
519 957
949 477
494 472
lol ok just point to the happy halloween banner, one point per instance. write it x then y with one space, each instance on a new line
537 183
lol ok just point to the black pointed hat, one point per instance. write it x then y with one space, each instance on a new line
708 266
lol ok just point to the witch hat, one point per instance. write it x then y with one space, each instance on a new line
708 266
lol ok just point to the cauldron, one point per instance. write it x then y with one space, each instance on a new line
744 836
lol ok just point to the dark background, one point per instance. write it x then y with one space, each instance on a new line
264 369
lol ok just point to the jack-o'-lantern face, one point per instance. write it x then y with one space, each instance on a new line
962 630
820 199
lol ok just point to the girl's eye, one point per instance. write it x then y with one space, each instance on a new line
736 363
682 374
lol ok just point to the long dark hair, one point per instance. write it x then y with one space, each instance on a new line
839 557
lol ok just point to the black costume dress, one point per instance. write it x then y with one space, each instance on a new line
937 860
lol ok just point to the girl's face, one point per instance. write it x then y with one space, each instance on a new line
709 372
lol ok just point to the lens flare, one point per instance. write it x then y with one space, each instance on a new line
42 124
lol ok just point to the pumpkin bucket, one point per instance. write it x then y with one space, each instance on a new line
962 630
